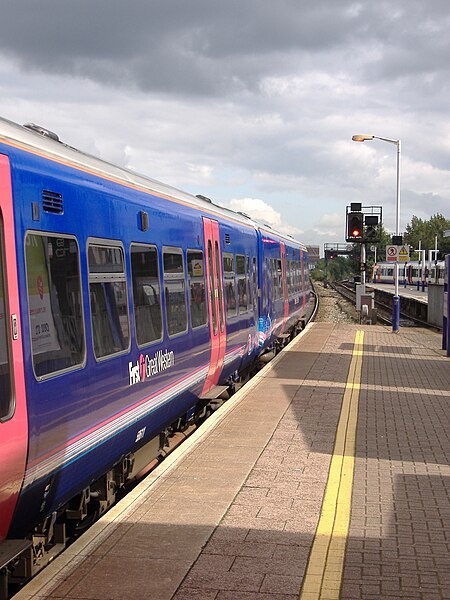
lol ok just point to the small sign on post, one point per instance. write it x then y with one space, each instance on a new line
391 253
397 253
403 253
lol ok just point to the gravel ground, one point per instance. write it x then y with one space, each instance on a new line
332 307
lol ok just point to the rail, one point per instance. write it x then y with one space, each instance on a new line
384 310
316 304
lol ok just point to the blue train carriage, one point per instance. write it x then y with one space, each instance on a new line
118 340
285 288
126 304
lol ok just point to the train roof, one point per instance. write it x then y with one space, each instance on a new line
39 140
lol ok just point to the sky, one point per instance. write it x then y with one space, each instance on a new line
252 103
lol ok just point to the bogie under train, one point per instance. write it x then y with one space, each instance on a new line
126 307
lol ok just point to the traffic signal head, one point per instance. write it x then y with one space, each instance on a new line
371 233
354 227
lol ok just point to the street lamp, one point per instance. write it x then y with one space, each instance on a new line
396 299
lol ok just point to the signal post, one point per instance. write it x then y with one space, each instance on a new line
363 226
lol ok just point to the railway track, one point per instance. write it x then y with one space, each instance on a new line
333 307
384 310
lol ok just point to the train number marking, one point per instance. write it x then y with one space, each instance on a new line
140 434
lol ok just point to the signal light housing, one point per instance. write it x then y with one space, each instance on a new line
355 231
371 233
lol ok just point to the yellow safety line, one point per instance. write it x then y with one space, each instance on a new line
323 575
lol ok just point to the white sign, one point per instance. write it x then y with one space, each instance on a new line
391 253
397 253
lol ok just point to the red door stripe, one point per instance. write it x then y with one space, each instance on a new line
217 327
14 431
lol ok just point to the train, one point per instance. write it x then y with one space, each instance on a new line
410 272
127 307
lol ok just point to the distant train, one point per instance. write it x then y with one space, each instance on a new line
125 306
411 272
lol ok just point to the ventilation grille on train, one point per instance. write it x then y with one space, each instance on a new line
52 202
227 238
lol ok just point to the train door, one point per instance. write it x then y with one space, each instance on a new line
303 282
410 278
13 416
284 287
215 302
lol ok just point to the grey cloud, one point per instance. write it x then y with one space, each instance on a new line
425 205
201 47
260 92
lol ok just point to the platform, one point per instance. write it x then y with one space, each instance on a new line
408 291
327 476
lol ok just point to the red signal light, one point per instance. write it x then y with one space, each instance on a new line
354 226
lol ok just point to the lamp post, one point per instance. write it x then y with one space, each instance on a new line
396 299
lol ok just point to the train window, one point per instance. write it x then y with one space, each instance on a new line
212 288
249 282
241 283
273 279
175 292
146 294
305 274
266 282
255 285
196 273
221 316
6 405
280 282
289 277
54 302
109 303
276 280
230 289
